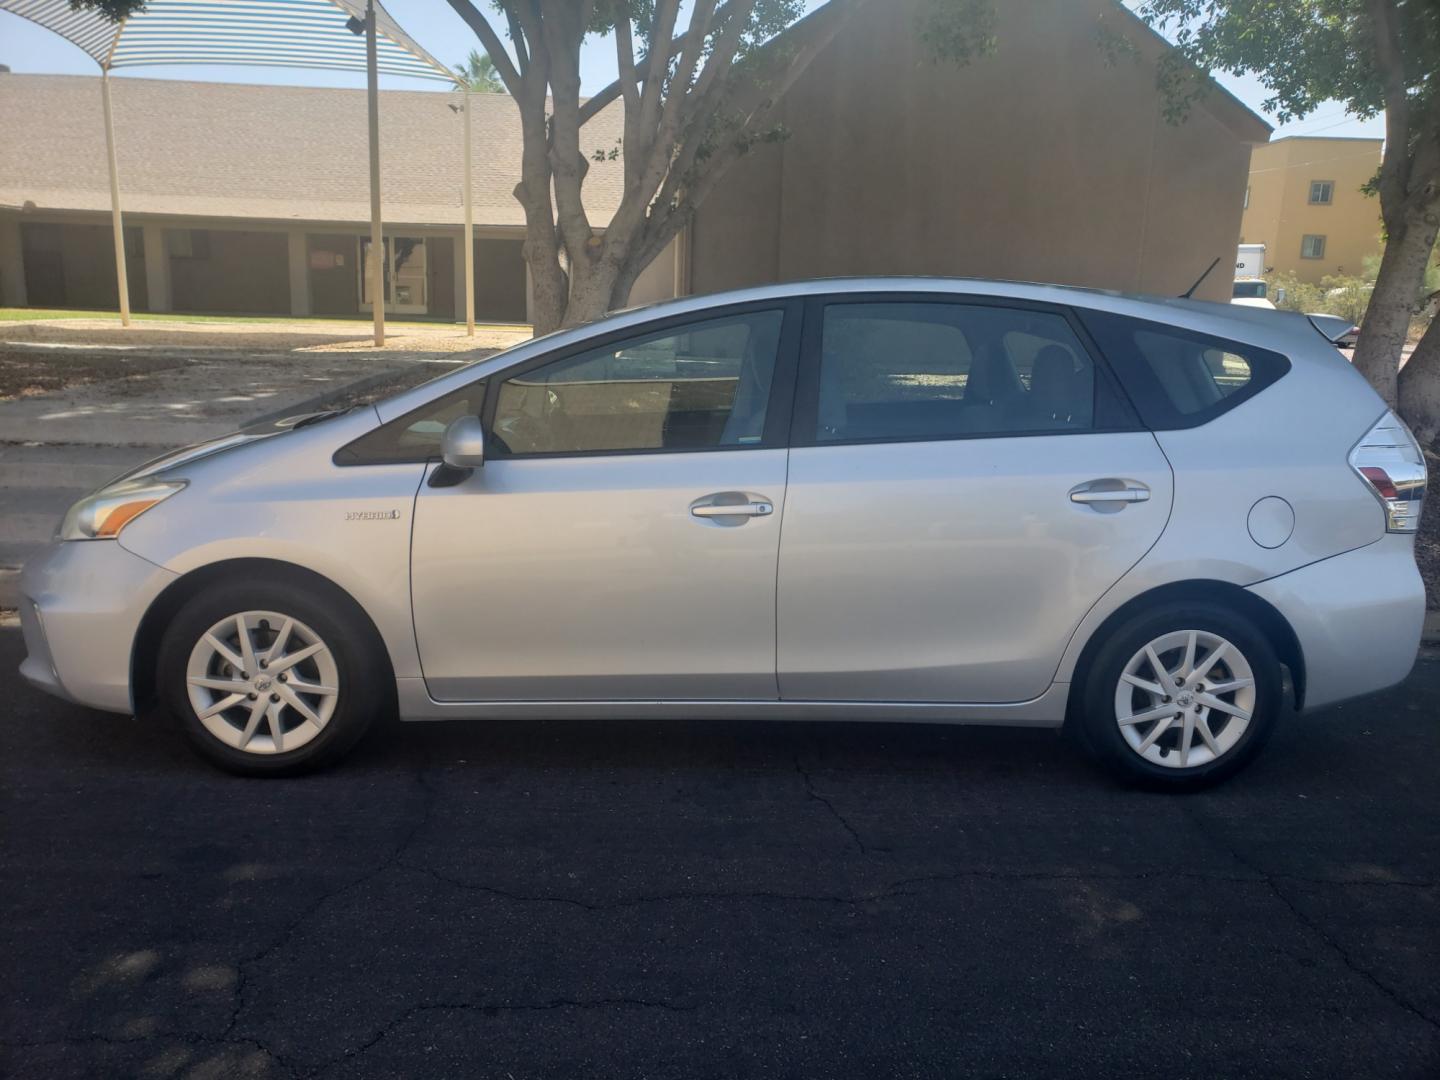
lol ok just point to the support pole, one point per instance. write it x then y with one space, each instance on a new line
469 229
376 269
122 279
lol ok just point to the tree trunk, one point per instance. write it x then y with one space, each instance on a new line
625 281
590 290
1420 387
1392 304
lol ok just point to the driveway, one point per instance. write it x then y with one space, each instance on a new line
692 900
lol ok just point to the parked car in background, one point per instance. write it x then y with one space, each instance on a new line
1340 332
1001 504
1251 292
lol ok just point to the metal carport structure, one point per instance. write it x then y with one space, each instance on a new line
343 35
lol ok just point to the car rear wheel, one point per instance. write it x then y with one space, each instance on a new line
268 679
1181 696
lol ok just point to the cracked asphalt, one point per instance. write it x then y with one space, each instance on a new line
694 900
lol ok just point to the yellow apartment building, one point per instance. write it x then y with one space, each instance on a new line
1305 204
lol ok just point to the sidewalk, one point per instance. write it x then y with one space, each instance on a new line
81 405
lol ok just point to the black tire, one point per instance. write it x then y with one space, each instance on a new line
364 688
1096 723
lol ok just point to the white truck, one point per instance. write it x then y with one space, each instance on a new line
1251 289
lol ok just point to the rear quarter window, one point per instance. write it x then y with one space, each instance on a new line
1180 379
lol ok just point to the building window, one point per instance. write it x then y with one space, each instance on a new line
1322 192
1312 247
189 243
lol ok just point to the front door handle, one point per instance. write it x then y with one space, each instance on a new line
731 507
1110 491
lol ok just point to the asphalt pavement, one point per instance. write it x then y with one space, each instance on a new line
717 899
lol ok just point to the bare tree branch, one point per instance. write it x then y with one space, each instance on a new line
1395 169
595 104
564 29
625 56
682 191
666 12
504 67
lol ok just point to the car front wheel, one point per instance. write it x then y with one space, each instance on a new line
267 679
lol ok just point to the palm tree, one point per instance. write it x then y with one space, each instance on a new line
479 72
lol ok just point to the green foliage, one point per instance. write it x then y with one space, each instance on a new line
479 73
1346 296
1289 293
115 9
957 31
765 20
1337 294
1304 52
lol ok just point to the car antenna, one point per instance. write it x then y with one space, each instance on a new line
1188 293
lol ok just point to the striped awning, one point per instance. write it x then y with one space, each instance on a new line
269 33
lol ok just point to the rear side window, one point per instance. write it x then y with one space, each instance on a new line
926 370
1179 379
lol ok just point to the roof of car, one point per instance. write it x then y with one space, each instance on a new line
1163 308
1275 330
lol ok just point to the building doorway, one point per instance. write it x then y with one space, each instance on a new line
404 272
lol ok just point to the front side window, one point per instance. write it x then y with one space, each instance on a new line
1179 379
1322 192
416 436
701 387
1312 247
921 370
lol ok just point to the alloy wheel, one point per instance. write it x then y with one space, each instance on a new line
262 682
1185 699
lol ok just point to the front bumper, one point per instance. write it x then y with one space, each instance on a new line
1358 618
81 603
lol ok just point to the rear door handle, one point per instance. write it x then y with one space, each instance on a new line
1110 491
731 504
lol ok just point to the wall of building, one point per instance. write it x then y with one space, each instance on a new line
1280 215
1041 162
200 265
334 274
500 294
69 264
12 265
229 270
661 279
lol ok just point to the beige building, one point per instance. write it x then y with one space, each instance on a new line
1305 204
1042 162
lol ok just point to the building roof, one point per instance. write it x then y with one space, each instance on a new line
225 150
243 152
1329 138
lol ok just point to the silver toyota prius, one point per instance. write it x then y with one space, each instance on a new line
917 500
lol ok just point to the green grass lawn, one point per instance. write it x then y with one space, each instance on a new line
28 314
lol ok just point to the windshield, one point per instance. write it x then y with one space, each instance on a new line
1249 290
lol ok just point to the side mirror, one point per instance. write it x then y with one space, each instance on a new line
463 446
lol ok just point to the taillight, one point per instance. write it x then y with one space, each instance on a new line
1392 464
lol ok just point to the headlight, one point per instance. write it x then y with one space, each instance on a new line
101 516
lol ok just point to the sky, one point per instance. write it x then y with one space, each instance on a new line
26 47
